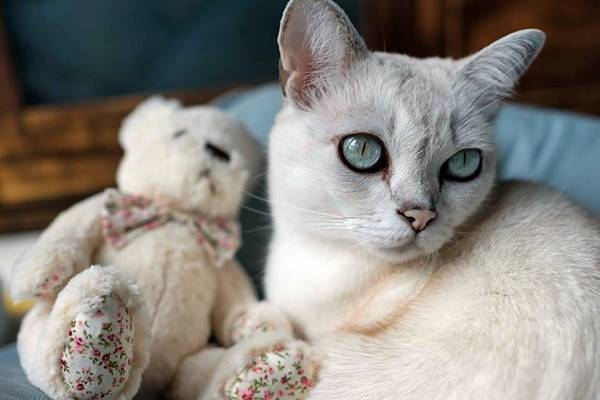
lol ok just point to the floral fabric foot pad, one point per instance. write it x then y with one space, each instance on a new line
98 355
281 374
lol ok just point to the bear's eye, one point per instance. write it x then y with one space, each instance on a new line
216 152
179 133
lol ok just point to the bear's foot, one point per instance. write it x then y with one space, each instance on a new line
98 355
284 371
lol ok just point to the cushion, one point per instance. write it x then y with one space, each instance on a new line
13 383
556 148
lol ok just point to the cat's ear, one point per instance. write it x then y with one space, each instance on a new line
491 75
316 40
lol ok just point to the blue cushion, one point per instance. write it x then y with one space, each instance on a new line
13 383
557 148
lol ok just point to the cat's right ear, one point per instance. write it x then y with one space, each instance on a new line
316 41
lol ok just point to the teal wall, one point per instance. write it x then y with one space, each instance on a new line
68 50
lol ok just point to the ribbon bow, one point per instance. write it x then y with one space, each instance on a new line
125 217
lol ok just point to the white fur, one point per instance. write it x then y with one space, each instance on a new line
499 298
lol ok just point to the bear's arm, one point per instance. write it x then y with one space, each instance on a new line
238 314
235 294
63 249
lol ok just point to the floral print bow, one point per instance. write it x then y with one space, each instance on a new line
126 216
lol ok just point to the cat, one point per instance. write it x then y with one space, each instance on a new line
396 251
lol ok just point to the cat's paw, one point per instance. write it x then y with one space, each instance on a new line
260 318
44 273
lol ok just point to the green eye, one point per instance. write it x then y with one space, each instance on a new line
463 166
362 152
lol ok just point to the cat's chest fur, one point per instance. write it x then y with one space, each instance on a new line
323 289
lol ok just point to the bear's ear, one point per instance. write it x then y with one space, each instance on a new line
151 116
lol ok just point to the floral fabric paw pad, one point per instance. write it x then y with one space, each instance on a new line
281 374
98 356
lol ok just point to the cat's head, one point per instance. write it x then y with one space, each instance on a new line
194 158
384 152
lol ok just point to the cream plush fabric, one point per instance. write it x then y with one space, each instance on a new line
154 302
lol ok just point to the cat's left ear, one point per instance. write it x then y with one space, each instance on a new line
316 40
491 75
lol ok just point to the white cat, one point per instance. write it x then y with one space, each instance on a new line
395 251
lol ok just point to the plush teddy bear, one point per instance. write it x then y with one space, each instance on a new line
164 278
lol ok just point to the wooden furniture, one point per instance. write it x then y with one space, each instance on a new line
566 74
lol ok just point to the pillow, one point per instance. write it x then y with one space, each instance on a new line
13 382
556 148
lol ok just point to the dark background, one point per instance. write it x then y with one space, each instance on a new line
72 50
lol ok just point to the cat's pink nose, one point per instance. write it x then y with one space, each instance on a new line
417 218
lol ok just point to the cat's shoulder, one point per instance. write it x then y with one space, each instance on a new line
534 242
516 203
530 220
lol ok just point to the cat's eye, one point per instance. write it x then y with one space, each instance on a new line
216 152
463 166
362 152
179 133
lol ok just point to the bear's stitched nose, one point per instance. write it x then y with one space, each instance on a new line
418 218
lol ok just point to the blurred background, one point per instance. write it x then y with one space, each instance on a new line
70 70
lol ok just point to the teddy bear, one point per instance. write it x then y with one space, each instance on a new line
130 284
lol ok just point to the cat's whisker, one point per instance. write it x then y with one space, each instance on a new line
257 229
333 225
257 211
252 195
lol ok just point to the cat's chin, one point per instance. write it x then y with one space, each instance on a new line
401 253
408 250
